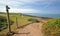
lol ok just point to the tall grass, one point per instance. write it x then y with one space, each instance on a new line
21 21
52 28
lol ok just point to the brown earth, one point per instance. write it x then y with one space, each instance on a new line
33 29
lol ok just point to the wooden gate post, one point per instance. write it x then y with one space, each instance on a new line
8 20
16 22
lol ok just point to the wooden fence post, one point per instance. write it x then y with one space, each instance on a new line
16 22
8 20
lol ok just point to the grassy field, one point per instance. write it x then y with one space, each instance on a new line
52 28
21 21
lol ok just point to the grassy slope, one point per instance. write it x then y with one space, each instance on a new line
52 28
21 21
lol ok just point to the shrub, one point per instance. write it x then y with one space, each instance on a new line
33 20
3 23
52 28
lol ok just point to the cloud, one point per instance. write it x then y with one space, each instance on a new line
10 2
23 10
16 10
16 4
23 2
2 9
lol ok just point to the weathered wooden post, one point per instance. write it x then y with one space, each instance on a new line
16 22
8 20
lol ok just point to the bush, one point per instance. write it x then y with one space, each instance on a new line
33 20
52 28
3 23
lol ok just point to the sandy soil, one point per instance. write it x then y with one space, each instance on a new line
33 29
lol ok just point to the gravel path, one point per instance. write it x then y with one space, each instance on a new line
30 30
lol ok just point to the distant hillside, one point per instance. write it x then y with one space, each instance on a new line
35 16
22 14
2 13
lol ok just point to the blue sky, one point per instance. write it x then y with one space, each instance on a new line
31 6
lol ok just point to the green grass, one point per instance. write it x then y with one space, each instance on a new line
21 21
52 28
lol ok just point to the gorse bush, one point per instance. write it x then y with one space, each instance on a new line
3 23
52 28
33 20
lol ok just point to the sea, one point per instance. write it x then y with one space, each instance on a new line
44 15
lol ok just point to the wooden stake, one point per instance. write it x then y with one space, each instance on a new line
16 22
8 20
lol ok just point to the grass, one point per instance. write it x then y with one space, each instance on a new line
52 28
21 21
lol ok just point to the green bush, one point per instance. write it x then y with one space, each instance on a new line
3 23
33 20
52 28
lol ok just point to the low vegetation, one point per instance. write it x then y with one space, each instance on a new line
52 28
3 23
33 20
20 20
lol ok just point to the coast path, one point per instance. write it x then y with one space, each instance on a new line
33 29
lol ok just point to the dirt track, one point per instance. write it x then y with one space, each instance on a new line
31 30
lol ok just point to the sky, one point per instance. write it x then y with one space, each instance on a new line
31 6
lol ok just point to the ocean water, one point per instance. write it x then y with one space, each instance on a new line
44 15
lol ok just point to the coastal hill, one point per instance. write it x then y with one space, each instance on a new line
25 21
